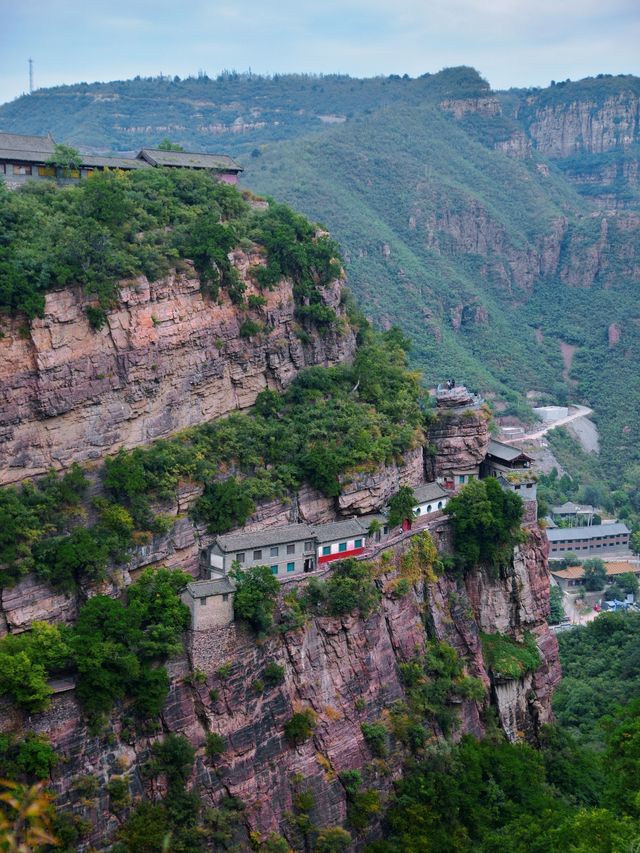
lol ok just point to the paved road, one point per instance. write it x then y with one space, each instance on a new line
580 412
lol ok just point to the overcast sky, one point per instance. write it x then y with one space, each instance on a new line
511 42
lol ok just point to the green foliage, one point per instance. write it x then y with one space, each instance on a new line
273 674
351 586
508 658
118 790
255 597
332 839
595 574
111 649
375 735
601 671
64 157
486 521
300 727
250 328
215 746
26 759
556 610
401 506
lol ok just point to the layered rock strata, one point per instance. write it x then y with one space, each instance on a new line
167 358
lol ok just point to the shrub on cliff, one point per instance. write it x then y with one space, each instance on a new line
351 586
255 598
300 727
486 522
224 505
508 658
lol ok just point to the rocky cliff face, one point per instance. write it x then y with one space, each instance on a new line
167 358
345 669
584 125
458 440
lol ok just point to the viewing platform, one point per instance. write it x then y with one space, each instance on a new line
449 395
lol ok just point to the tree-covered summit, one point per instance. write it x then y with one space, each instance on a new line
116 225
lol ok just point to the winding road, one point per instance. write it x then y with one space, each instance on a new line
580 412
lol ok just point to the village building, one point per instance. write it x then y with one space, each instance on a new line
339 540
24 158
225 168
594 540
430 497
577 513
210 602
573 576
286 550
503 459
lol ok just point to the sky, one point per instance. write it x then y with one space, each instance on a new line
511 42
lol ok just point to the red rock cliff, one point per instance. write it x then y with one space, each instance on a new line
167 358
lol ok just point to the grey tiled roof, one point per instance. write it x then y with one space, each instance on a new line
216 586
504 452
19 155
579 534
90 160
263 538
189 159
19 142
335 530
430 492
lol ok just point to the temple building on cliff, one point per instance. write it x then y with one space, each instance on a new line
24 158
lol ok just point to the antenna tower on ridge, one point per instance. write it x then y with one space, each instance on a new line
30 76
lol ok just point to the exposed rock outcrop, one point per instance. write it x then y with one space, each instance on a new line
458 441
167 358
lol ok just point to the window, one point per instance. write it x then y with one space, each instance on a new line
357 543
240 557
203 602
274 570
20 169
257 555
225 596
385 529
439 504
461 478
47 171
308 546
291 549
274 551
342 547
291 567
326 550
417 510
429 508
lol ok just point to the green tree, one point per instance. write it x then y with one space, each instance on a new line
556 610
167 145
486 521
64 158
224 505
401 506
595 574
255 597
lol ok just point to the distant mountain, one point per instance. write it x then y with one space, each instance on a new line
500 230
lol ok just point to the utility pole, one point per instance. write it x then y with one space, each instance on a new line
30 76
